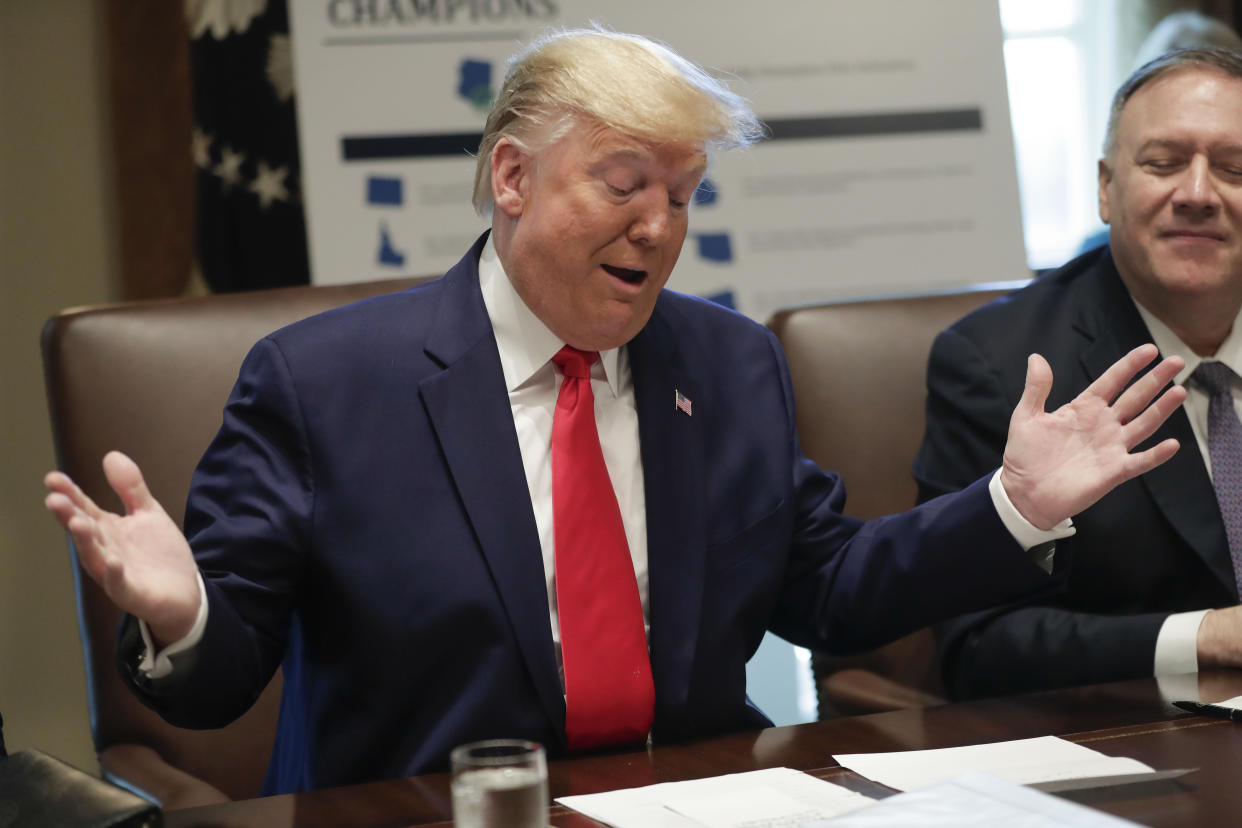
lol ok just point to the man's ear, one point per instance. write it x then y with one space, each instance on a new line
1106 178
511 172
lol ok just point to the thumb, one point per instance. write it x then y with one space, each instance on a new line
1038 386
126 480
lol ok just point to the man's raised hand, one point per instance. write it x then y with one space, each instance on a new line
1058 463
140 559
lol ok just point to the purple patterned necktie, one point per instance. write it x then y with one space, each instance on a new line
1225 449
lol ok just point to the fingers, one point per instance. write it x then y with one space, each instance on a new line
1113 381
91 550
1038 384
1144 461
1134 408
60 505
123 476
111 548
80 525
1146 423
84 531
126 480
1135 399
60 483
82 518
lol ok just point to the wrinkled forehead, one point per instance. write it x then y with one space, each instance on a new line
590 138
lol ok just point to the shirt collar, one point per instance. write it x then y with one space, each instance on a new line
526 345
1170 344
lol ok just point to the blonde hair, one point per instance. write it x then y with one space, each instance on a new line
627 82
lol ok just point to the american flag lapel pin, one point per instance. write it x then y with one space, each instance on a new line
681 402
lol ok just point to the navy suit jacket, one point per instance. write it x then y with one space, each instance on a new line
1153 546
363 513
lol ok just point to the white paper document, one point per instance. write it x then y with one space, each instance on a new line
1024 761
1235 703
772 798
974 800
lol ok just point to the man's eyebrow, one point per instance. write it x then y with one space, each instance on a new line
1181 145
620 156
623 153
695 173
1162 143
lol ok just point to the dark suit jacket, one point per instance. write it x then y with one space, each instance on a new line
1153 546
363 512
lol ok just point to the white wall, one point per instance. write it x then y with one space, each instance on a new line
56 250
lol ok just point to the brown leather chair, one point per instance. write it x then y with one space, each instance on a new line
859 377
151 379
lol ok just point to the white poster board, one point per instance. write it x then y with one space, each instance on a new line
889 169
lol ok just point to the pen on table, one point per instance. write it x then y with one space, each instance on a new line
1216 711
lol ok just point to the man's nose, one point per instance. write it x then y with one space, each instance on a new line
1196 190
652 223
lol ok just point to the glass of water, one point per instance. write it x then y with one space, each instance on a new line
500 783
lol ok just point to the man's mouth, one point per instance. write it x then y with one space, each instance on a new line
625 274
1194 234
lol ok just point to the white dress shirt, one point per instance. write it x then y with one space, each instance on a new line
533 381
1177 642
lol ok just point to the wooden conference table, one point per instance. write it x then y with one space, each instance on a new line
1119 719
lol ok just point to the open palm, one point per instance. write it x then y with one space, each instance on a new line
140 559
1058 463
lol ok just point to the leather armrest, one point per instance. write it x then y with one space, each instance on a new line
138 766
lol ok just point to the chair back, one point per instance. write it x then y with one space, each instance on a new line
150 379
859 377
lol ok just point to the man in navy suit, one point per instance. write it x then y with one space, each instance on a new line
379 504
1152 557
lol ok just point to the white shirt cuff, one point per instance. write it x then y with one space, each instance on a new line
1178 687
156 665
1028 536
1177 645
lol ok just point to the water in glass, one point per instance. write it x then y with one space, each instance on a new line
500 798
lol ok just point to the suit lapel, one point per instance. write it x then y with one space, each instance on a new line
469 410
673 467
1180 487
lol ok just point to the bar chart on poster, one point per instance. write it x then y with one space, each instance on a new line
887 168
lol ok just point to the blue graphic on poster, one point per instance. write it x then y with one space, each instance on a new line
474 83
388 255
706 193
386 191
714 247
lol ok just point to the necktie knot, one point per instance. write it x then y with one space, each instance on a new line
1214 376
575 363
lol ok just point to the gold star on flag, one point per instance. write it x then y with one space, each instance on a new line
200 148
269 184
229 168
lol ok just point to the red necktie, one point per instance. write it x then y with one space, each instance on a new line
609 695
